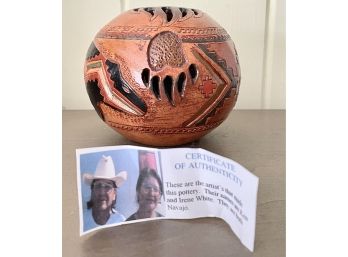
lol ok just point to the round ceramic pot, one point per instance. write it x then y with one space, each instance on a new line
162 76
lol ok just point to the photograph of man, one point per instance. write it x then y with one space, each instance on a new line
103 184
149 190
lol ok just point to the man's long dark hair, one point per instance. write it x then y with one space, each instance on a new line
90 202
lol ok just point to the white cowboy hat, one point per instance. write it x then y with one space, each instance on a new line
106 170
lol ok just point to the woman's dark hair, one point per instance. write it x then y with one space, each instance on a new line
146 173
90 202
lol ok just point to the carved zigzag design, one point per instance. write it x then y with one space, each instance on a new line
221 62
229 71
216 109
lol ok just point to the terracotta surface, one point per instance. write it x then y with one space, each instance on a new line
162 76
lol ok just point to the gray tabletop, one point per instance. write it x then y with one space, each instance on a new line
255 139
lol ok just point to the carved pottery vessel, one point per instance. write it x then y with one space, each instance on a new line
162 76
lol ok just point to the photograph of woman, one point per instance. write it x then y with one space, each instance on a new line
149 190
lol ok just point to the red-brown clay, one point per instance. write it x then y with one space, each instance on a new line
162 76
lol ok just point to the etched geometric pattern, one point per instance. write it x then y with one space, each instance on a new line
208 86
96 69
217 92
221 62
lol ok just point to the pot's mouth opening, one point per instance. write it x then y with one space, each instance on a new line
168 11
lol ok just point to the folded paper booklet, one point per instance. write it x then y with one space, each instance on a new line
126 184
